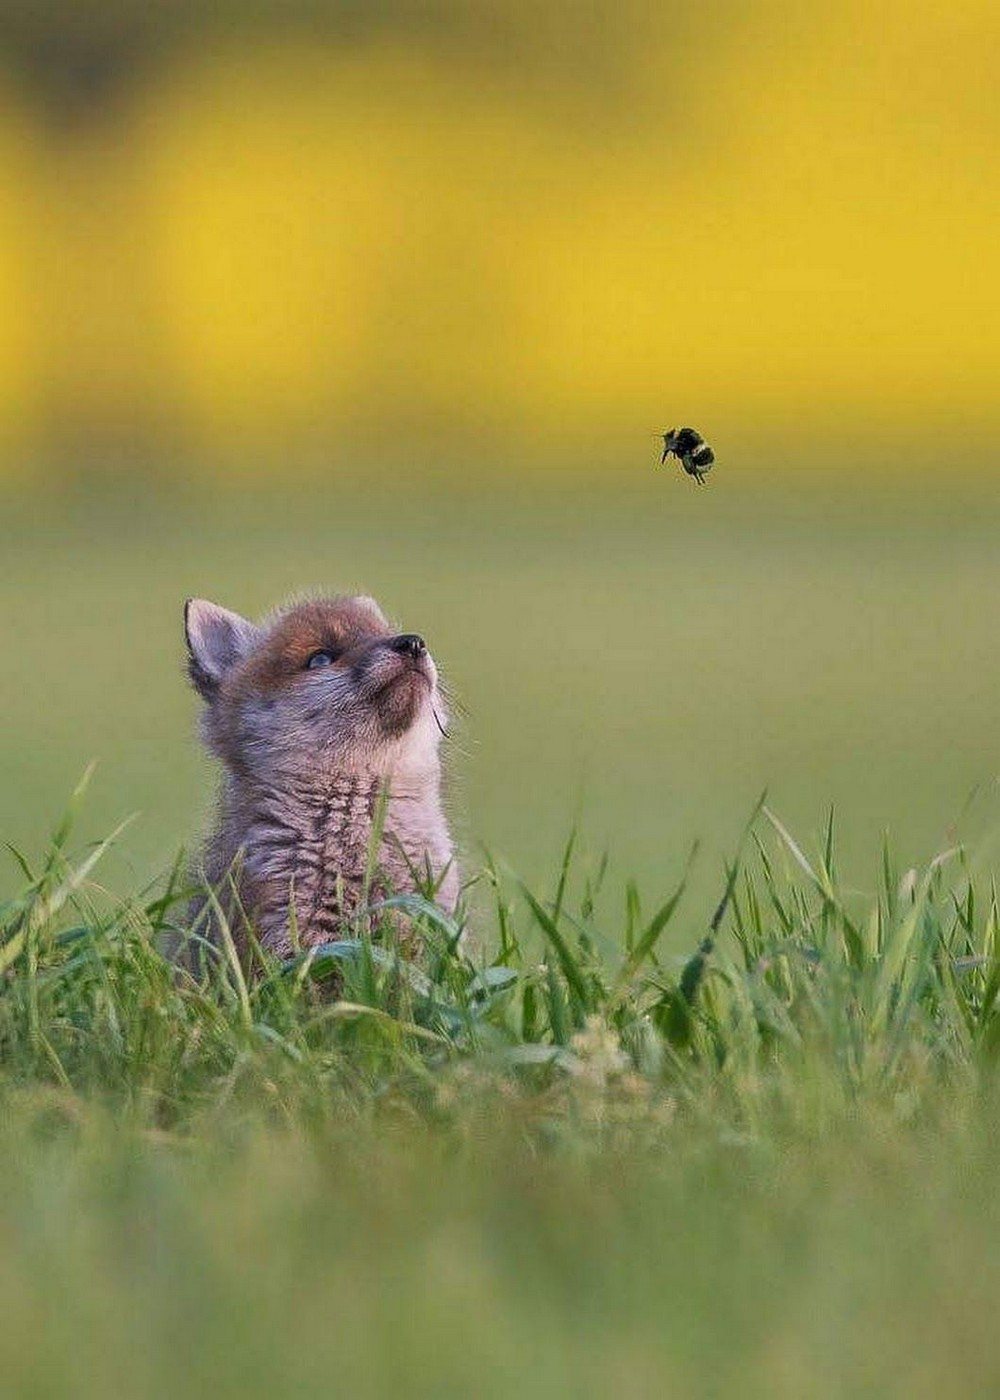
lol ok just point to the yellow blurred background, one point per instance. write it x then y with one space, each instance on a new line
262 235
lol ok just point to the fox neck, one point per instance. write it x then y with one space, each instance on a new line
307 846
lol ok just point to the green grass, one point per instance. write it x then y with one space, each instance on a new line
567 1162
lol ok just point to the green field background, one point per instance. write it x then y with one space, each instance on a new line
639 660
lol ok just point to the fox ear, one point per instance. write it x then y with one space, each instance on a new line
216 640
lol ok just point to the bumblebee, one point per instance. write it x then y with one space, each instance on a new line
691 450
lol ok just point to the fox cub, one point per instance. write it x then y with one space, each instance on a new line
328 725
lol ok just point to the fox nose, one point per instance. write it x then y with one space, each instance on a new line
409 644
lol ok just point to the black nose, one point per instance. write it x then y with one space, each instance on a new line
409 644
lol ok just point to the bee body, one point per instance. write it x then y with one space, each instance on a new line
690 449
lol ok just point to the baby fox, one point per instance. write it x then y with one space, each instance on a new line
326 721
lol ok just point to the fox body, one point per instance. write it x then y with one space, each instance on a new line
328 726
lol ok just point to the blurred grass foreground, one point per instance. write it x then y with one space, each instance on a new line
567 1164
255 232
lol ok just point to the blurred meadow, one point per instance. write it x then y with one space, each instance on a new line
395 296
640 661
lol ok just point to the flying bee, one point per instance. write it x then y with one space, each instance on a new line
691 450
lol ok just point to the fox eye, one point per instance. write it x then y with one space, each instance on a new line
319 658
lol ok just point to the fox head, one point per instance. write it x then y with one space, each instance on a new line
322 688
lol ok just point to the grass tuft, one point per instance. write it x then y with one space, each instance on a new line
791 980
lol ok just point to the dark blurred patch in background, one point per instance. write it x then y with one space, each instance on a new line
81 59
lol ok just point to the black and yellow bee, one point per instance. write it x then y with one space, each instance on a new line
691 450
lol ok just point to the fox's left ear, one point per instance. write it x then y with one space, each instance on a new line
216 640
